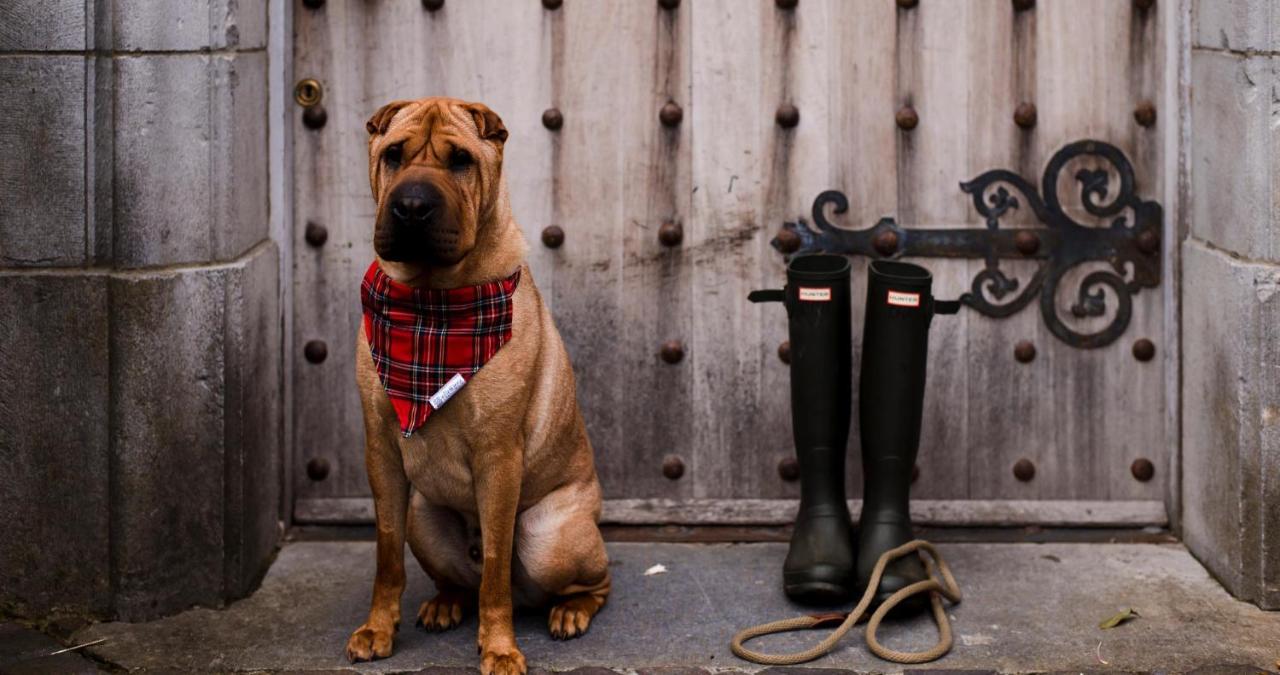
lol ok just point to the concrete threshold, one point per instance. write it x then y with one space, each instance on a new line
1027 608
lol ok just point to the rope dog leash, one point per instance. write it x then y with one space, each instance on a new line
937 589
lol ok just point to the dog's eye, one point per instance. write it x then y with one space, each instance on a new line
460 159
393 154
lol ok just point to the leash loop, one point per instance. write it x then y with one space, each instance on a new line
940 584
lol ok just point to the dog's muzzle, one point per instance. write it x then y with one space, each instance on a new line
413 229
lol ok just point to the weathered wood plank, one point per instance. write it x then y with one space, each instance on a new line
601 75
1008 409
935 53
944 512
326 190
728 240
655 282
795 70
1114 405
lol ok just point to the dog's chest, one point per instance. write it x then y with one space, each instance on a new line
437 461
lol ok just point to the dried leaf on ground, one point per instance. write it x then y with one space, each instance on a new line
1120 617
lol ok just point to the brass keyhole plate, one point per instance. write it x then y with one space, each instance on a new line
308 92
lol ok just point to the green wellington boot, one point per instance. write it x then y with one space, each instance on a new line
820 562
895 348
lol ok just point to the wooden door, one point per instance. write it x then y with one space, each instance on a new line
729 174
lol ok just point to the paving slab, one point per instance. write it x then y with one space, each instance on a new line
26 650
1026 608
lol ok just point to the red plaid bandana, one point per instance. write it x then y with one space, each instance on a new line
427 343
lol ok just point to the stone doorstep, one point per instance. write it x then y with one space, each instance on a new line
1027 608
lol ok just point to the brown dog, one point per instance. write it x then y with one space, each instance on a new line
505 497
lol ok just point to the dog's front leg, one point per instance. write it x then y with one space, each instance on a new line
498 476
373 640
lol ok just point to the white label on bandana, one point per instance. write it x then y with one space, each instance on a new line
447 391
901 299
815 294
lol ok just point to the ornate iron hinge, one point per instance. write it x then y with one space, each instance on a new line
1131 247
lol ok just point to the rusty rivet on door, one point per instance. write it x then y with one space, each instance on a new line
551 4
1144 5
672 351
885 242
432 5
1025 115
1026 242
788 469
787 241
784 352
1144 350
671 233
668 4
316 234
1142 469
672 467
671 114
788 116
315 351
1023 5
314 116
1024 351
552 119
1145 113
1148 241
907 118
313 4
552 236
317 468
1024 470
908 4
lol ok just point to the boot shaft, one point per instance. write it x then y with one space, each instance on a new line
818 312
817 300
895 350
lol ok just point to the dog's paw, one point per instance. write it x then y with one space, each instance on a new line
502 661
572 617
441 612
368 643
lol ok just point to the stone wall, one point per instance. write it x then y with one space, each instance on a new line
140 321
1231 299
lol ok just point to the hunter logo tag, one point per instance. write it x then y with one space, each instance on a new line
815 294
900 299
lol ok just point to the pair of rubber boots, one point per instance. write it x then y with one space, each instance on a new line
827 562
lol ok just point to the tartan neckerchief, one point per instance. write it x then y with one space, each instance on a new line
422 339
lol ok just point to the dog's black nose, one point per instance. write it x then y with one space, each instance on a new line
413 204
409 210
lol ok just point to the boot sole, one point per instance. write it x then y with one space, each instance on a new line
910 607
817 593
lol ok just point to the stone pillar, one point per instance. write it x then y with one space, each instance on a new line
140 320
1231 299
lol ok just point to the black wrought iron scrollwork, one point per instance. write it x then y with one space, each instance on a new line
1129 241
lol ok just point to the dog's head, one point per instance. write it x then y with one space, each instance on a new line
435 167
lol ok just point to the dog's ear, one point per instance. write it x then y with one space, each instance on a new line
488 124
382 119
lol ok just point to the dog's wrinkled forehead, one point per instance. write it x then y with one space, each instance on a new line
430 116
425 123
